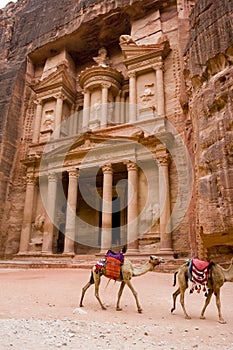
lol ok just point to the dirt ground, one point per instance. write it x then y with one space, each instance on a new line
39 309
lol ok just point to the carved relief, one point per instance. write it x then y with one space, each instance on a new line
146 97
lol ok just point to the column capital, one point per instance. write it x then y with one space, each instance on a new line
38 101
163 159
132 74
60 96
74 173
52 177
106 85
107 168
131 166
86 91
158 66
30 179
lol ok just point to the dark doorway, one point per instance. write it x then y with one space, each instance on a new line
116 222
61 239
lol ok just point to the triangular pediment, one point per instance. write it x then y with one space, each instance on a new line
138 53
59 78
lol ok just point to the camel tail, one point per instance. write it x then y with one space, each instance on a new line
174 282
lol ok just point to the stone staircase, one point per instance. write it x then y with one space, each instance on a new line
78 261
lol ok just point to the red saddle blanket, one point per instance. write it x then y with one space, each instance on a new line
199 271
112 268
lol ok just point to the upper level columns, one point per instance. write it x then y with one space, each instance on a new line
36 129
50 214
132 215
27 215
86 109
132 97
160 90
104 116
58 116
106 237
71 212
164 198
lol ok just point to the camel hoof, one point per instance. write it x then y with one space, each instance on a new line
187 317
118 309
222 321
172 310
139 311
104 308
202 317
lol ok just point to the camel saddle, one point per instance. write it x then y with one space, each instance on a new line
113 264
198 270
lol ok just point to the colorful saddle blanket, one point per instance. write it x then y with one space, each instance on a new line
198 271
111 263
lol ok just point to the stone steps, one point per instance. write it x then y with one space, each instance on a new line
84 261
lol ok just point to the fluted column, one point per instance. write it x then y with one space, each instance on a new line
104 116
132 97
36 129
58 116
164 199
106 237
132 213
71 212
86 109
47 245
160 91
27 214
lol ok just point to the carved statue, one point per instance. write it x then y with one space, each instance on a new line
126 40
39 222
102 59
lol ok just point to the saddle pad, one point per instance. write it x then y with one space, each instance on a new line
200 264
199 271
112 268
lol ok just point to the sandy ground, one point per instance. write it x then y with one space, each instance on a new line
39 309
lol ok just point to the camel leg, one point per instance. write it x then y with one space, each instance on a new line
84 291
175 295
135 295
97 283
210 292
218 303
182 291
119 296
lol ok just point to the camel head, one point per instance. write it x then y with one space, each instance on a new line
155 260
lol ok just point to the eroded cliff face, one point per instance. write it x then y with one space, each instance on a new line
209 79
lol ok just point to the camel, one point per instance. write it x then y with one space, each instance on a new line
217 277
127 271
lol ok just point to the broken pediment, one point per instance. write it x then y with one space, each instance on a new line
56 80
134 53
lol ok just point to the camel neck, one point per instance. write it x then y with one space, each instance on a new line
141 270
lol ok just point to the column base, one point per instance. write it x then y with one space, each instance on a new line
166 252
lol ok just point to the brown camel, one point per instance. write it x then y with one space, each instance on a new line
128 270
217 277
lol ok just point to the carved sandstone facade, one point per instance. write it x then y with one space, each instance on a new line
104 157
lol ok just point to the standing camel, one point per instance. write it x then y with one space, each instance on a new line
216 279
127 271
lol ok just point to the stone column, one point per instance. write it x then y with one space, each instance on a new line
160 91
47 246
118 107
132 97
58 116
73 122
104 117
132 213
36 130
106 237
164 199
71 212
27 215
122 111
86 109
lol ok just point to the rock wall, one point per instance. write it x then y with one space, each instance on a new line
209 78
